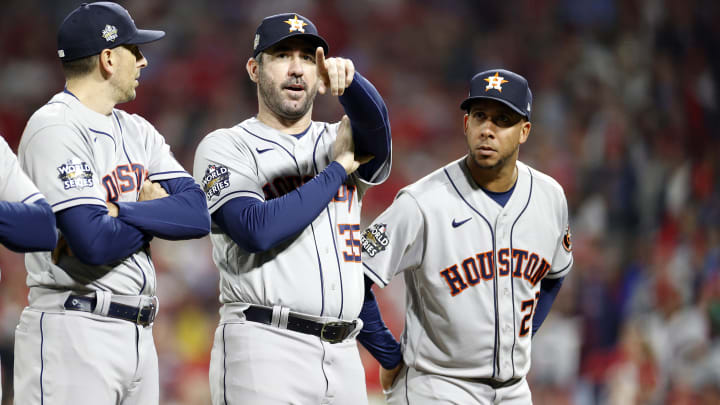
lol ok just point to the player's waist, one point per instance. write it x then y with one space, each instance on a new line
329 329
138 309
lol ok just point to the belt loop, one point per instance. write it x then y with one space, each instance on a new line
275 320
284 313
102 302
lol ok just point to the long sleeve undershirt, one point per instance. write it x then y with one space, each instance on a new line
257 226
549 288
375 336
27 227
97 238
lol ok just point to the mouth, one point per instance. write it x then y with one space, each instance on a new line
295 89
485 150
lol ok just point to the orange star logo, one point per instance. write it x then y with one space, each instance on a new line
296 24
495 82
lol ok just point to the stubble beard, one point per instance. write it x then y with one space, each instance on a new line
499 164
273 98
124 93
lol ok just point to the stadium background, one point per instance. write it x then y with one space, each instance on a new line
625 118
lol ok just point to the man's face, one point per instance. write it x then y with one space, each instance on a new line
124 80
288 78
494 133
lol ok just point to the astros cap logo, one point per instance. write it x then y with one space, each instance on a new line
495 82
110 33
295 24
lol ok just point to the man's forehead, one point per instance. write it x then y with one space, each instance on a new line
292 44
487 104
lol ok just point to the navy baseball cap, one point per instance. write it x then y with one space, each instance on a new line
278 27
504 86
93 27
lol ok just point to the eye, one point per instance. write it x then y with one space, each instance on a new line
479 115
309 58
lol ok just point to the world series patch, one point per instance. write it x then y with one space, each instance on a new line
75 174
216 179
567 241
374 239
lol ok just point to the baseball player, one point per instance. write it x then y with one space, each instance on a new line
284 193
483 244
86 336
27 223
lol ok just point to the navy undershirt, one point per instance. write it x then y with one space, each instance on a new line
375 336
96 238
549 288
500 197
27 227
260 225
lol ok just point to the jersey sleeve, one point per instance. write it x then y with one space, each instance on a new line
394 242
226 169
162 163
563 259
15 185
59 160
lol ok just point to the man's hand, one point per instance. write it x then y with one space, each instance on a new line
62 248
112 209
387 377
335 74
344 148
151 191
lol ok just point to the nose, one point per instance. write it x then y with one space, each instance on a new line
487 129
296 65
141 60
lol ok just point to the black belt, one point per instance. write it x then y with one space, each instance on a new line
333 332
497 384
144 315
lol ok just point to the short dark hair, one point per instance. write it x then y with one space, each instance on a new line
79 67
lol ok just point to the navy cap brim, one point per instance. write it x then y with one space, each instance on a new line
312 38
145 36
466 104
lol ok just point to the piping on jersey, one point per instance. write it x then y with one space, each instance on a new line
332 230
496 352
512 267
317 251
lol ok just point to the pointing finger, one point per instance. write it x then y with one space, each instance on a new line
320 61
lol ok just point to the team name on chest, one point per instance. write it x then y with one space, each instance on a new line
528 266
283 185
123 179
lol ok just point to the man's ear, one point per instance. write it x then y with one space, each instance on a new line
525 131
252 67
107 61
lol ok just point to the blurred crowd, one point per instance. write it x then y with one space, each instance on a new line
626 99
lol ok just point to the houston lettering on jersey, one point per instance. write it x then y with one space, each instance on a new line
283 185
528 266
124 179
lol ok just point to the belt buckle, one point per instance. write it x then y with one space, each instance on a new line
331 324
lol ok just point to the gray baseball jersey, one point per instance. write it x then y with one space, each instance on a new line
318 272
78 156
472 268
15 185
